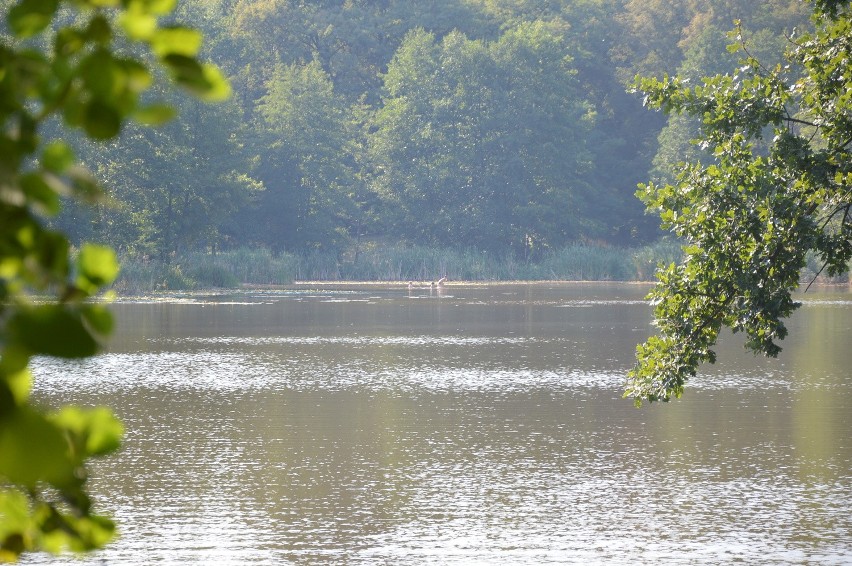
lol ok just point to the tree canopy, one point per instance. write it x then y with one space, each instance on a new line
493 152
776 185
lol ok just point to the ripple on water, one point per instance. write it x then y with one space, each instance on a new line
283 449
400 363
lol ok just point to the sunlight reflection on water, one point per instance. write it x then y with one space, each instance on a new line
244 363
503 441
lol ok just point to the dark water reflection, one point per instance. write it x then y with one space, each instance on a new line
485 425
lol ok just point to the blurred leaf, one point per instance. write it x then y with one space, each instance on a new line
218 87
98 429
84 185
101 121
101 3
15 524
205 81
97 266
42 191
57 157
99 318
20 384
154 114
99 30
14 359
69 41
137 23
176 40
53 331
10 267
30 17
62 531
33 449
100 74
137 76
156 7
93 532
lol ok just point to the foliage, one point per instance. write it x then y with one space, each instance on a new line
179 190
203 270
579 261
483 142
778 186
75 72
511 132
309 168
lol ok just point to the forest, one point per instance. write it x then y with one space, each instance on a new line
483 128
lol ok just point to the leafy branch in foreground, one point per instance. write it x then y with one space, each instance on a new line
780 185
74 72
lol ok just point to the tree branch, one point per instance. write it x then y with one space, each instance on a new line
803 122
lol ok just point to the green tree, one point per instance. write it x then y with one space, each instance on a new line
483 142
180 189
707 55
78 72
779 186
308 169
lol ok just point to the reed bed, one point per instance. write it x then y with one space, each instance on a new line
200 270
260 267
246 267
422 263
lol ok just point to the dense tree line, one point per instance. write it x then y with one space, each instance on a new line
496 125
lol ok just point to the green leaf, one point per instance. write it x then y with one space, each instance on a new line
138 77
101 3
100 74
156 7
99 318
97 266
15 523
138 24
53 331
69 41
57 157
99 30
20 384
30 17
42 191
176 40
33 449
98 431
101 121
154 114
84 185
205 81
93 532
217 87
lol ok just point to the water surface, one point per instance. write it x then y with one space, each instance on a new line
480 425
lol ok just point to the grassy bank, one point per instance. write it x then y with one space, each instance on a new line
232 269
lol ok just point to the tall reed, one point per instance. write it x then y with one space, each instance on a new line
258 266
423 263
200 270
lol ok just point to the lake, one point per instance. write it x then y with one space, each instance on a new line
480 425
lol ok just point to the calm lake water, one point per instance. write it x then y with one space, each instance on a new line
484 425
